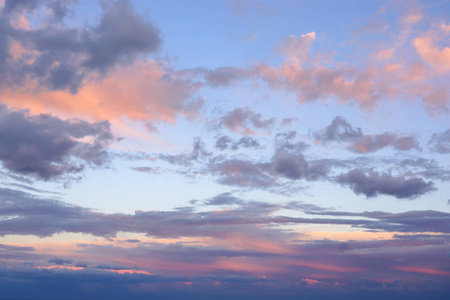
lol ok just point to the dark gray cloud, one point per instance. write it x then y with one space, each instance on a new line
60 261
48 147
121 35
225 142
287 162
246 122
371 184
63 56
440 142
295 166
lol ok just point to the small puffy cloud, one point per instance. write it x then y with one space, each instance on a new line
297 48
440 142
372 143
342 131
223 199
338 130
371 184
225 142
224 76
197 153
294 166
246 122
243 173
289 141
437 100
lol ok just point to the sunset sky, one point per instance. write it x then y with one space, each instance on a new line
224 149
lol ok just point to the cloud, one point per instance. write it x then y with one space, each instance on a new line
60 57
143 91
121 35
223 199
297 48
100 71
48 147
16 248
427 46
57 8
372 143
149 170
109 267
342 131
440 142
246 122
243 173
287 141
294 166
338 130
198 153
371 184
19 5
24 214
60 261
225 142
223 76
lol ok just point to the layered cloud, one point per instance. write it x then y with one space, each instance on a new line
244 243
23 214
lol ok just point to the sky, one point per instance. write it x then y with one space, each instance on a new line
228 149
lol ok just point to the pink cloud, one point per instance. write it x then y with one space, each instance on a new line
422 270
141 92
297 48
436 56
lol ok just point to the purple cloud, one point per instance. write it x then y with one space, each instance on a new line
47 147
371 184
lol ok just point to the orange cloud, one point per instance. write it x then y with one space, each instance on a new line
142 92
